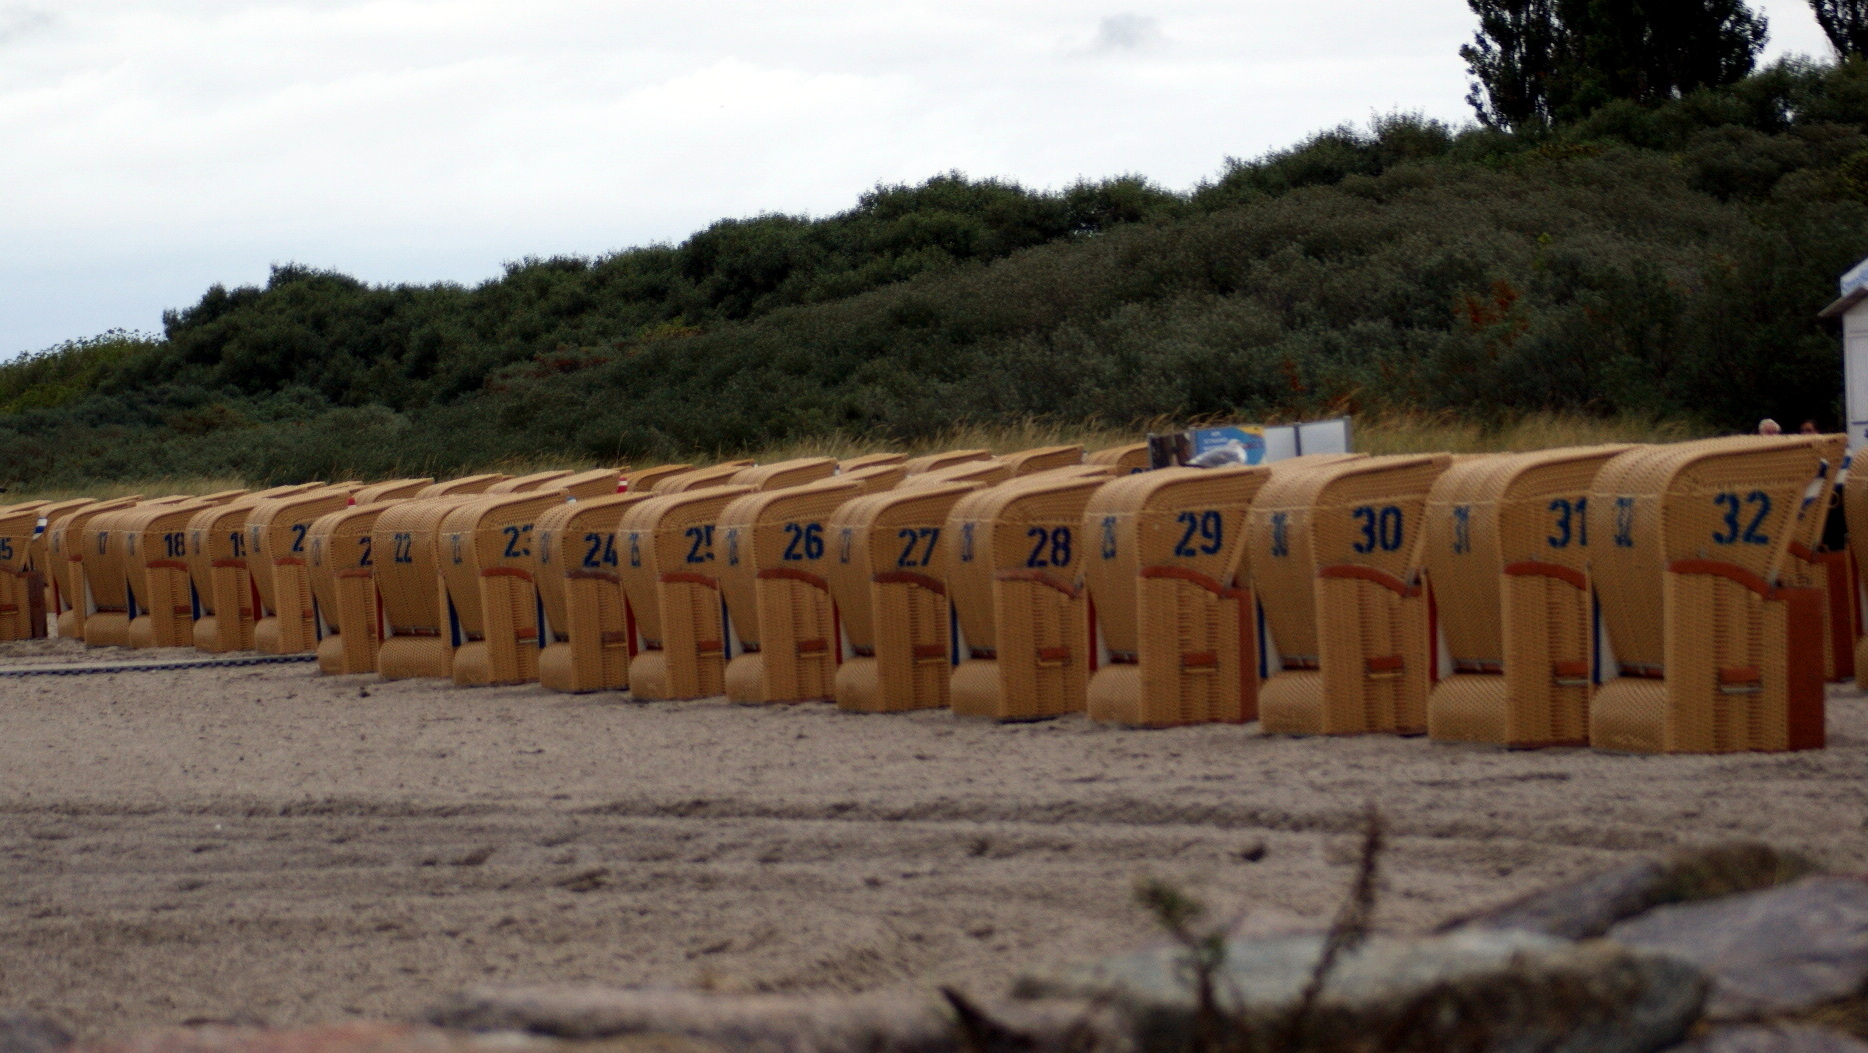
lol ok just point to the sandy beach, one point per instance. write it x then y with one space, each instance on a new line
270 844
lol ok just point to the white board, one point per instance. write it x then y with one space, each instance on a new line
1323 436
1855 372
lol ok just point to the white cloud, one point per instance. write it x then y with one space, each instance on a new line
1126 32
149 148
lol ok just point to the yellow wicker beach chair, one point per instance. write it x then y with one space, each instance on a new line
466 484
1013 556
670 561
644 480
218 570
775 550
44 570
989 472
1127 460
105 571
597 482
420 628
66 539
775 587
872 460
1044 458
528 483
1179 641
1807 565
277 530
342 572
781 474
21 597
109 551
1855 508
1332 550
928 462
390 490
699 478
1687 543
587 624
876 477
1507 557
486 570
885 574
161 598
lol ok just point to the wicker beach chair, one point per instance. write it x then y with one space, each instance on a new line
1687 544
66 539
42 570
525 484
669 551
1808 565
218 571
162 605
884 573
872 460
1332 550
277 531
783 620
988 472
1127 459
107 548
1507 557
342 571
699 478
597 482
466 484
21 597
644 480
1855 509
1044 458
1180 642
928 462
104 557
1014 555
781 474
420 629
875 478
389 490
587 626
485 555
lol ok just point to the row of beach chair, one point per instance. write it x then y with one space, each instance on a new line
1653 598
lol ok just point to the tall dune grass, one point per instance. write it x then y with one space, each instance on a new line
1394 433
158 487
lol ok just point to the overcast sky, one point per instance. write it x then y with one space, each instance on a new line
149 148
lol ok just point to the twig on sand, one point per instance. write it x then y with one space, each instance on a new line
1349 928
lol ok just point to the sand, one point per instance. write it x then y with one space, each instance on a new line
266 843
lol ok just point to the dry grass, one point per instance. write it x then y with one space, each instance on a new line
1432 433
158 487
1411 433
998 438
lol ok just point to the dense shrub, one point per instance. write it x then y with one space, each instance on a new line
1647 260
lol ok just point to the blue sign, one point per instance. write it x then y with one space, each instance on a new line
1252 439
1856 278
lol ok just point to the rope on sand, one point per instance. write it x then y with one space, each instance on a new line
151 667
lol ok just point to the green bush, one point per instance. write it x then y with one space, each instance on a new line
1659 260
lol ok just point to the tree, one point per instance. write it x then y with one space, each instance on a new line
1538 62
1653 50
1845 23
1513 56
